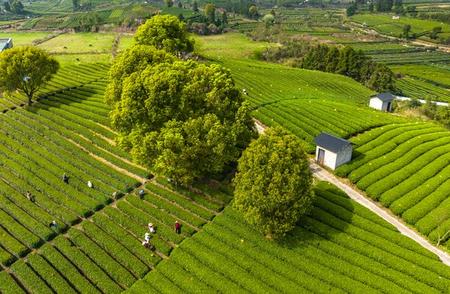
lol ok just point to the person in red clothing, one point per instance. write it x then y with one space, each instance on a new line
177 227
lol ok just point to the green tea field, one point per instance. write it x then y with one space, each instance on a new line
96 246
340 247
406 168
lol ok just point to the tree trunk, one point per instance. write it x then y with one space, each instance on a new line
30 99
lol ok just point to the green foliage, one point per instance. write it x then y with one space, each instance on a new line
253 11
135 58
351 63
26 69
384 5
341 245
165 32
351 10
406 168
186 119
15 6
273 183
210 12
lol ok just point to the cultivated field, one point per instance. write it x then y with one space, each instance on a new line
306 102
97 244
406 167
340 247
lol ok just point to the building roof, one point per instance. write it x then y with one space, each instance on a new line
332 143
4 43
385 97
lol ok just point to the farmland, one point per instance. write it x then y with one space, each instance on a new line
384 24
79 43
406 168
308 102
290 97
339 247
97 244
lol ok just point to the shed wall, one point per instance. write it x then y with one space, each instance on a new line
330 157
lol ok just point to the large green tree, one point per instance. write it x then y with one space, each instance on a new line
273 183
165 32
134 59
184 119
26 69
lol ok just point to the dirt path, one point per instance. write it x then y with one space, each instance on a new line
325 175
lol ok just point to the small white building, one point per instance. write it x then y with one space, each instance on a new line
5 44
332 151
382 101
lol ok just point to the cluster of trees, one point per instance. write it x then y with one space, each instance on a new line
440 114
14 6
213 21
352 63
188 121
88 22
183 119
345 61
439 16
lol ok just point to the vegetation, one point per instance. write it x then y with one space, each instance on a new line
405 168
195 123
165 32
340 246
273 183
26 69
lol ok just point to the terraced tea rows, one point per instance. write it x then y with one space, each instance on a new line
407 168
307 102
96 246
67 77
341 247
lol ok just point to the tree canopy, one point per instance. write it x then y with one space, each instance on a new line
186 120
273 183
134 59
165 32
26 69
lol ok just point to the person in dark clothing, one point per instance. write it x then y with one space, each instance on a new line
141 193
177 227
65 178
53 225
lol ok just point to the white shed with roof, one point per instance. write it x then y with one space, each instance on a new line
382 101
332 151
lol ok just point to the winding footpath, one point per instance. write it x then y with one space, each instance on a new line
324 175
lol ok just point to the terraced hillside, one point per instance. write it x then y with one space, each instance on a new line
406 167
306 102
68 77
341 247
97 244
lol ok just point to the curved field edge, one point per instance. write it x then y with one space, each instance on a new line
341 247
406 167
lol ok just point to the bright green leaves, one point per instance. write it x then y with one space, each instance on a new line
165 32
273 183
26 69
184 119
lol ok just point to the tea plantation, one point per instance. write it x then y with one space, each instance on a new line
340 247
96 246
406 167
306 102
